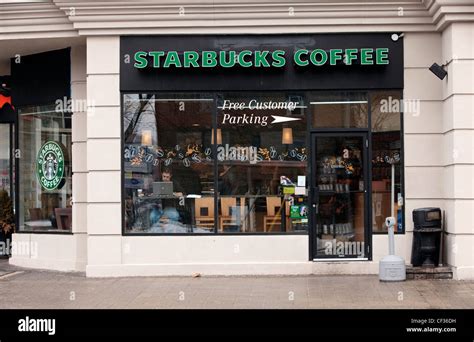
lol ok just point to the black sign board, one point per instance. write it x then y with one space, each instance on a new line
42 78
330 76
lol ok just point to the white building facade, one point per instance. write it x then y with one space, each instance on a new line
251 222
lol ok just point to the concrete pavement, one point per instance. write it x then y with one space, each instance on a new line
26 288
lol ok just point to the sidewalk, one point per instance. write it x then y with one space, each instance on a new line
26 288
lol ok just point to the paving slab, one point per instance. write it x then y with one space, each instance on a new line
40 289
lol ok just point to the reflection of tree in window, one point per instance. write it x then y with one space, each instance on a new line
133 111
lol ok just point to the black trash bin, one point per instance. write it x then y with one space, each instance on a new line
426 237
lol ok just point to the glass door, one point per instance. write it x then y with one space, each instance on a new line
340 195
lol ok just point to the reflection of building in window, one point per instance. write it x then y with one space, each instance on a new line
163 133
386 147
41 208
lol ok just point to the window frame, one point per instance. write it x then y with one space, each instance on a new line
402 161
310 130
18 180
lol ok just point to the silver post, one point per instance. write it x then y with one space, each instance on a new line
391 235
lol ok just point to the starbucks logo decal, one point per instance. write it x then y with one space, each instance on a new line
50 165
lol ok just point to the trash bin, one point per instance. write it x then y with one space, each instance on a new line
426 237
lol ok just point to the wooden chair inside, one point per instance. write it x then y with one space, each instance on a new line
272 220
204 212
63 218
231 213
35 214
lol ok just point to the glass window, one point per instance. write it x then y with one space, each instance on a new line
339 110
170 144
5 159
45 169
387 197
238 162
168 163
262 163
7 190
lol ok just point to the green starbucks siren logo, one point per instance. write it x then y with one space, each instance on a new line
50 165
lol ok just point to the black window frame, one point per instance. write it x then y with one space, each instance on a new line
18 179
310 130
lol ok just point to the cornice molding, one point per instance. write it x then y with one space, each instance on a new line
60 18
34 20
245 16
446 12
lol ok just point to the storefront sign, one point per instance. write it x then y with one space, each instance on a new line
261 62
42 78
50 165
259 59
